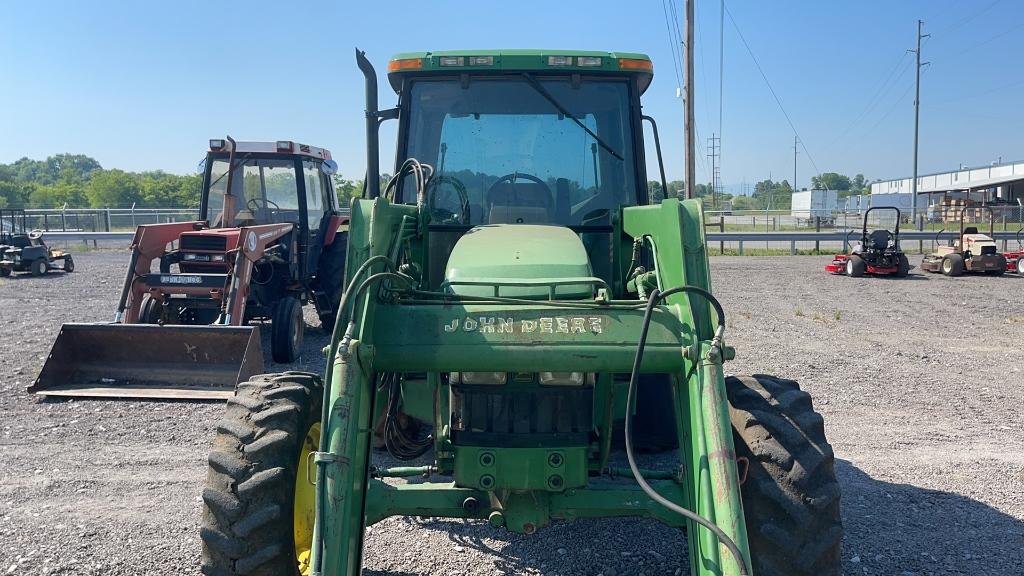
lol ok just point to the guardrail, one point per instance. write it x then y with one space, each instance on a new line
790 238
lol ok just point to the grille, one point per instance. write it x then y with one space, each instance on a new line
203 242
523 417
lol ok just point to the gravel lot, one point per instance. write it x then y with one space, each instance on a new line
920 381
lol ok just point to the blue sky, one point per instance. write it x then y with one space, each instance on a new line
143 85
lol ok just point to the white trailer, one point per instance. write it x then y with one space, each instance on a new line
903 201
811 204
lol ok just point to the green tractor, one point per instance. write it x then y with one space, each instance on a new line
512 294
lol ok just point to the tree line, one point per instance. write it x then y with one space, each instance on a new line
79 181
767 194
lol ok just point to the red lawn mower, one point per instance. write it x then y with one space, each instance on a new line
876 253
1015 259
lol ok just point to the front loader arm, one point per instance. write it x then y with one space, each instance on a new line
675 231
148 244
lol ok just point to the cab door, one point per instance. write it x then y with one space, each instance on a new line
318 211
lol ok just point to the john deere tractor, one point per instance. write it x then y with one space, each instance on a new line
515 292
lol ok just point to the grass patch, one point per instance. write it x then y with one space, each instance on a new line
837 315
799 312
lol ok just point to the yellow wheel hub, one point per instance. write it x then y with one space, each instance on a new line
305 500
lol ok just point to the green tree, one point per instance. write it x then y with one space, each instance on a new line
831 181
110 188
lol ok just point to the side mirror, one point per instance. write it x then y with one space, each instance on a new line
329 167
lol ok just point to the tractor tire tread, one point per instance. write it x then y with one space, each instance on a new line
791 495
256 519
247 520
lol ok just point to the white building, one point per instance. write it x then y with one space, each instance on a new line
997 183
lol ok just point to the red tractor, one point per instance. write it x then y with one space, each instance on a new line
877 253
268 242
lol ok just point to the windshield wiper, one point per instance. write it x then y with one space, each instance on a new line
561 110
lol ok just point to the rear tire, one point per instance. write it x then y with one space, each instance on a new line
902 267
332 278
791 495
69 264
286 329
4 271
999 271
855 266
257 461
40 266
1020 265
953 265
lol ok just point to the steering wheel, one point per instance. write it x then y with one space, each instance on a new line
443 215
511 179
253 204
35 234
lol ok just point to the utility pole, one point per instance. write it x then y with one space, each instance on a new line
917 120
691 167
795 141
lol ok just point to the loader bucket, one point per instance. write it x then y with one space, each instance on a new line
150 362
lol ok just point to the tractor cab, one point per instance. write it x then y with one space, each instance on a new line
522 138
280 182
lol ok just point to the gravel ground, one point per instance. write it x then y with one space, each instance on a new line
920 381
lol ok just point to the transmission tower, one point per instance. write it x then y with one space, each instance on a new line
714 150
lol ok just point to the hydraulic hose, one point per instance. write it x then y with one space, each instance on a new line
657 296
346 297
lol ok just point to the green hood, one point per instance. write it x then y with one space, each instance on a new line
502 254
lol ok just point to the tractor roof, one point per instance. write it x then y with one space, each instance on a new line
282 147
490 61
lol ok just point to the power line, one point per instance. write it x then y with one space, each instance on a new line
877 95
772 90
963 21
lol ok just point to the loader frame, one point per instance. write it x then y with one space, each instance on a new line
680 344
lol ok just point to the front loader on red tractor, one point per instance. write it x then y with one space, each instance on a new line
268 242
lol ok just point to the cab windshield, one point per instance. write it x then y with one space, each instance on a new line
266 191
537 150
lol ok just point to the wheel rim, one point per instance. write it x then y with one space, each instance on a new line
849 267
304 507
947 265
1020 265
297 332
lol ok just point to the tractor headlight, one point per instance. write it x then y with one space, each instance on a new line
563 378
188 257
486 378
217 258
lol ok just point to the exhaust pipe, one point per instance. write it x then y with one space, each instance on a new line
372 187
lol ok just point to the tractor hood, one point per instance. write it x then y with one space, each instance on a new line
975 241
518 261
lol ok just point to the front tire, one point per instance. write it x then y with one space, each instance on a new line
258 506
69 264
902 267
286 330
953 265
855 266
791 495
40 266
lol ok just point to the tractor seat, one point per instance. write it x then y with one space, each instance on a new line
21 241
519 204
971 230
879 239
